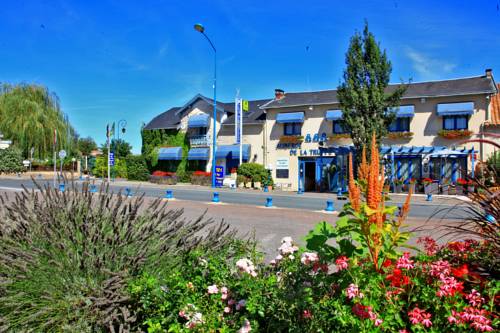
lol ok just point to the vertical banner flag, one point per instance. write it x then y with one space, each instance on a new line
245 106
237 120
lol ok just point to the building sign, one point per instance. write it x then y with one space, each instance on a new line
219 175
282 163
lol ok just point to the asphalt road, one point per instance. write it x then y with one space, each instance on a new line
440 208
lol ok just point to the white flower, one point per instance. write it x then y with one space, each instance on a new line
213 289
247 266
287 240
246 328
308 258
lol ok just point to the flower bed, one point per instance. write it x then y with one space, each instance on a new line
454 134
201 178
163 177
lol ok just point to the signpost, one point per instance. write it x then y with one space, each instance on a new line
219 176
238 125
62 155
111 159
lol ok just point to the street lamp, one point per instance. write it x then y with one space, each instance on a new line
198 27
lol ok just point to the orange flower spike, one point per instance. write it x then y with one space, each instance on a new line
405 209
373 199
363 169
354 192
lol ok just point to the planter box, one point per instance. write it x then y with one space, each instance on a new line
461 189
256 185
398 188
431 188
452 190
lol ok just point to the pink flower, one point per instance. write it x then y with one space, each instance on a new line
403 331
227 309
475 317
306 314
378 322
241 304
246 328
430 245
182 314
247 266
342 263
418 316
353 291
224 291
449 286
440 267
213 289
309 257
405 261
287 247
231 302
474 298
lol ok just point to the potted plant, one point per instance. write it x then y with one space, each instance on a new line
398 185
411 185
429 186
462 186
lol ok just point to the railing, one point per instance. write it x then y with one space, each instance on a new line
199 140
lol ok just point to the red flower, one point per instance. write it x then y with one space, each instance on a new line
306 314
461 271
317 266
387 263
362 311
397 278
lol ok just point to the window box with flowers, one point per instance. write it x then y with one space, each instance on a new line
337 136
291 139
201 178
455 134
163 177
400 135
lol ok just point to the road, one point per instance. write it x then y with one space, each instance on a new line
440 208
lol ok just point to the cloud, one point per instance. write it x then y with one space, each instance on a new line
428 67
163 50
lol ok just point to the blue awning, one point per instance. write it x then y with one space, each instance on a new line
170 154
198 154
291 117
404 111
332 115
199 120
455 109
232 152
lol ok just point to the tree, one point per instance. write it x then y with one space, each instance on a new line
120 147
363 96
29 114
86 145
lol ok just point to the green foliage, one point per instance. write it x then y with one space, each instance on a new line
153 140
11 160
67 257
362 95
100 169
137 168
28 116
255 172
120 147
493 161
86 145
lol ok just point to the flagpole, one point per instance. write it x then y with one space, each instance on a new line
55 156
109 148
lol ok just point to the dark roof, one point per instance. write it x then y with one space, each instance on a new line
255 114
165 120
455 87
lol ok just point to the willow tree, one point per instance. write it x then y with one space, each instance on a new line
28 116
363 94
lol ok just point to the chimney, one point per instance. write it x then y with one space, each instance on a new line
279 94
489 73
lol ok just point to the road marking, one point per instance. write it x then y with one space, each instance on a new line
11 189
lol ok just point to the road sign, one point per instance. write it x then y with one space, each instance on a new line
219 175
62 153
111 159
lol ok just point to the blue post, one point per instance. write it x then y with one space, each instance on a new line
339 192
128 192
329 206
169 194
490 218
269 202
429 197
93 188
266 189
216 197
472 162
61 187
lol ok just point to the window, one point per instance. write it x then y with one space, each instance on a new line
338 128
400 125
455 122
281 173
293 128
202 131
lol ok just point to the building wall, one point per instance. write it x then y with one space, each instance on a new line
425 126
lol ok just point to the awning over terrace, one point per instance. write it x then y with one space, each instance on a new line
170 154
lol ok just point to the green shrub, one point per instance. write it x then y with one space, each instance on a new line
137 168
254 171
11 160
66 257
100 169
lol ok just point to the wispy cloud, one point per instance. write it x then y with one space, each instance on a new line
429 67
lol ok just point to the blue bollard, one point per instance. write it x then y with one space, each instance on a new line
329 206
339 192
61 187
266 189
269 202
93 188
429 197
128 192
169 194
216 197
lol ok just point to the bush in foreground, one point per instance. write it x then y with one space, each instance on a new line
66 258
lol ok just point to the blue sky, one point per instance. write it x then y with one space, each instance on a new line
115 59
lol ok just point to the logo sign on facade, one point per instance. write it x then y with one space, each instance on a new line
62 153
219 175
282 163
111 159
237 120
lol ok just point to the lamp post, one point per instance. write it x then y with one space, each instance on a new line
198 27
